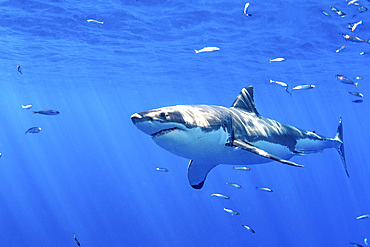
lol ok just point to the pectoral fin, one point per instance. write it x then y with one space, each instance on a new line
197 173
263 153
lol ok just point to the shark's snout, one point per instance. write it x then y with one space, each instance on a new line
138 118
144 123
155 123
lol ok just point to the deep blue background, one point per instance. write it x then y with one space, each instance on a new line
91 172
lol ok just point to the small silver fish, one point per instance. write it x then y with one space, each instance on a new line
354 38
366 241
74 237
359 78
47 112
221 196
230 211
248 228
234 185
325 13
33 130
345 80
160 169
340 49
264 189
29 106
357 4
353 26
357 101
362 8
356 94
246 7
306 86
242 168
205 49
361 217
279 59
279 83
364 53
339 12
99 22
357 245
352 2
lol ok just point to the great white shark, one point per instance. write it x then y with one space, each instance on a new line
211 135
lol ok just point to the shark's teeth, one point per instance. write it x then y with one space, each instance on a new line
164 131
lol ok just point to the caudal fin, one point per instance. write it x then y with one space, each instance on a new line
340 149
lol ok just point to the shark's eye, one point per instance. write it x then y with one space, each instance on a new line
163 115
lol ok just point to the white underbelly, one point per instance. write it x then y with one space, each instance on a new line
312 146
209 147
195 143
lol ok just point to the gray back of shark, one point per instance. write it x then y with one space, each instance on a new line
212 135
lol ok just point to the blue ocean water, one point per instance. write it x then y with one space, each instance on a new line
91 172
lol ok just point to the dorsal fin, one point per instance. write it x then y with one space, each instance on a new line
245 101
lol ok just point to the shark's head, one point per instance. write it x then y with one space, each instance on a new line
185 130
159 122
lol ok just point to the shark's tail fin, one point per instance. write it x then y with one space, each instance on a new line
340 148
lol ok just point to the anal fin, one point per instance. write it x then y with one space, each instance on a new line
305 152
299 152
263 153
197 173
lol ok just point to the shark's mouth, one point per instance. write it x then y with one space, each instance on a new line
164 131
